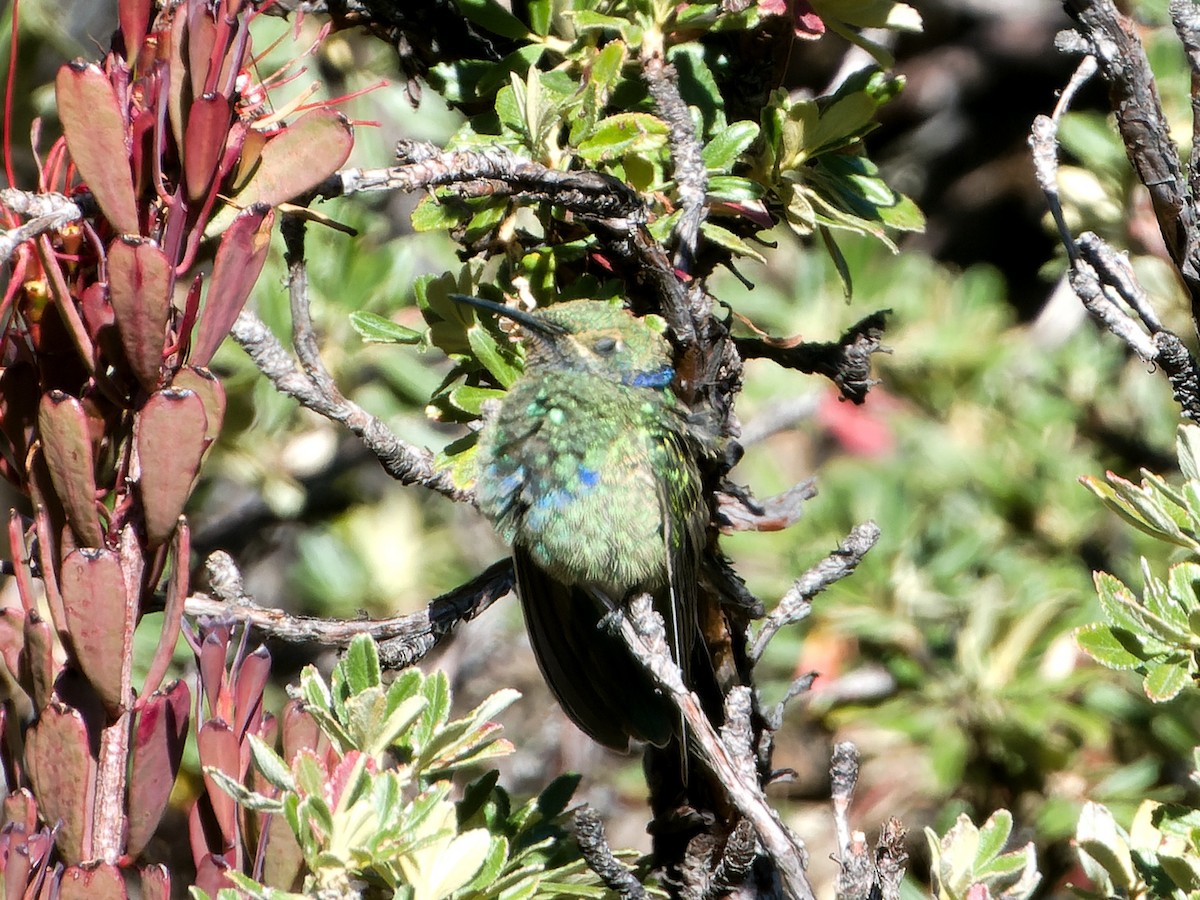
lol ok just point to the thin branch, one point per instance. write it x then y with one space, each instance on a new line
1145 130
403 640
795 604
855 876
846 362
736 860
1185 16
50 212
405 462
642 630
611 207
593 844
691 175
1100 276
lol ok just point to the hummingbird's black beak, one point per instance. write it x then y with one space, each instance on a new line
537 326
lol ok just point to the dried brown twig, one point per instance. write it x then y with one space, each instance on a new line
402 640
1101 278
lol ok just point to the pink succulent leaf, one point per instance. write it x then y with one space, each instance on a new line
100 616
248 691
134 16
95 128
169 433
156 882
43 669
63 774
140 282
67 448
159 737
218 748
240 258
207 129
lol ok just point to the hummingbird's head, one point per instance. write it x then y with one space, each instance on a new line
592 336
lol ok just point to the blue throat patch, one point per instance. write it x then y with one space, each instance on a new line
659 378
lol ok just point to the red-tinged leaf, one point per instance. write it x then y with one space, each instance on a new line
17 865
67 446
94 126
100 616
94 881
201 48
156 882
12 639
158 740
63 773
218 748
97 313
38 664
299 158
300 731
212 671
177 70
240 258
248 690
134 16
177 590
207 128
208 387
210 874
169 435
140 281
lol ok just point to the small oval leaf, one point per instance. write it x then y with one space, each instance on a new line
67 447
140 281
169 434
94 126
100 617
62 771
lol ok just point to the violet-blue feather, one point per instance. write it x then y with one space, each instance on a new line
659 378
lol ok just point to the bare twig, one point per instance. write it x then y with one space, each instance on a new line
856 875
642 630
1145 131
890 859
737 510
795 604
1100 276
405 462
593 844
611 207
1185 16
50 212
403 640
691 175
846 362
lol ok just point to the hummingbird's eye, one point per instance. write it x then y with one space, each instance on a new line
605 345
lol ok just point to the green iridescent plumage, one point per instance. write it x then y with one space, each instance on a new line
588 470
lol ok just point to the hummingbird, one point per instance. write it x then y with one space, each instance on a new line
588 469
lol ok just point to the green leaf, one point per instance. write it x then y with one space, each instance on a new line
494 18
376 329
728 144
993 836
1099 836
488 352
624 133
433 215
723 237
271 764
470 399
1165 680
1103 644
361 664
734 189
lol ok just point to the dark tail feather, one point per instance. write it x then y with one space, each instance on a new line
597 682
